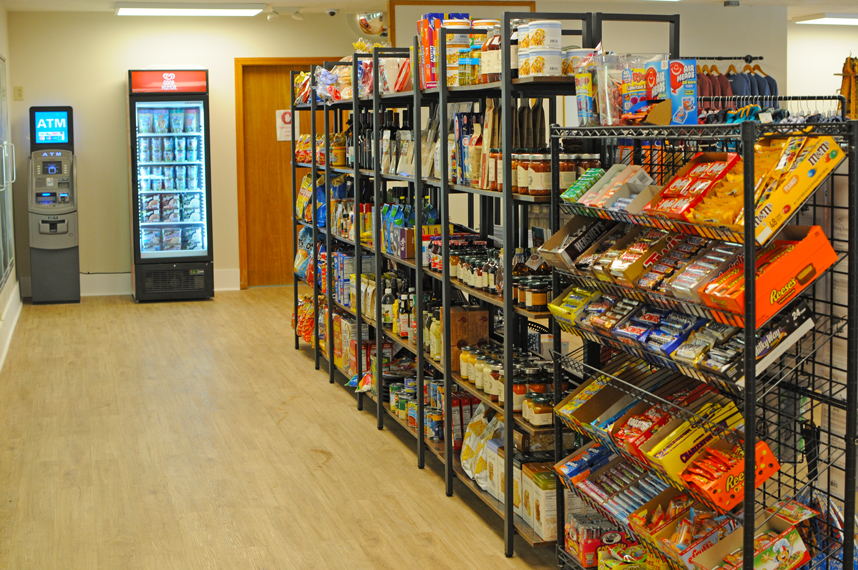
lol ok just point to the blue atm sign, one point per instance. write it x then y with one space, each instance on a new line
52 127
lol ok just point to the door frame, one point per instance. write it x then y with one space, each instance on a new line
240 64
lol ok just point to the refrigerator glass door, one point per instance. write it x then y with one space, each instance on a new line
171 184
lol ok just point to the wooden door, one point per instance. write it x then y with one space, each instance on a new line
265 176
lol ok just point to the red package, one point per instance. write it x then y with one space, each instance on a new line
403 79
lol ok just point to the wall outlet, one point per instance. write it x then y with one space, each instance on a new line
19 93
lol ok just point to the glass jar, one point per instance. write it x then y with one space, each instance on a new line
454 262
502 390
527 406
490 66
519 391
495 373
495 168
523 288
516 281
476 78
479 366
515 157
523 173
472 362
542 412
586 162
464 66
540 175
537 298
568 170
463 361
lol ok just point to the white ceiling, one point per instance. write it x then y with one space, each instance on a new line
796 7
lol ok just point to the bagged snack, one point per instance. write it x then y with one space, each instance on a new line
145 121
192 120
161 119
177 120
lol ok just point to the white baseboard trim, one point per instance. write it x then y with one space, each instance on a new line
227 279
94 285
11 312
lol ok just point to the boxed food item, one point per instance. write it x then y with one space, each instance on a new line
642 254
150 216
573 239
691 184
150 202
587 535
778 545
170 201
718 473
337 338
584 264
170 215
192 239
191 214
191 200
818 158
613 179
714 261
568 305
688 536
674 80
784 269
652 517
493 465
620 488
544 488
151 240
171 240
581 463
528 489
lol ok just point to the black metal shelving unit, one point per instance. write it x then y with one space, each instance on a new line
791 404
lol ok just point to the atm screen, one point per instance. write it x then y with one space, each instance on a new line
51 126
52 167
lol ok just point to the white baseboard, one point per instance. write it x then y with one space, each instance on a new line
227 279
95 285
11 312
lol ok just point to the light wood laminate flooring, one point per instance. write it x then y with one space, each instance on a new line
194 436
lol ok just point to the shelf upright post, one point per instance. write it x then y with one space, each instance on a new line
508 312
554 224
314 255
295 216
357 222
446 292
852 356
329 273
749 137
376 236
418 251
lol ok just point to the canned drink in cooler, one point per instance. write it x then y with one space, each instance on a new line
157 177
157 150
193 184
193 143
192 120
145 178
181 178
169 178
180 149
177 120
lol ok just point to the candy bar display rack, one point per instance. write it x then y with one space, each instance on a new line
804 404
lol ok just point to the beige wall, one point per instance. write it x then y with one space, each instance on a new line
815 54
10 287
81 59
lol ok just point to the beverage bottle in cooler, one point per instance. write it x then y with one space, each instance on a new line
387 302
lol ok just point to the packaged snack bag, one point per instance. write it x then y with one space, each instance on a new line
145 121
192 120
161 119
177 120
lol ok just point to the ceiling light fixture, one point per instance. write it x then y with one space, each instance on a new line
829 19
298 16
186 9
273 15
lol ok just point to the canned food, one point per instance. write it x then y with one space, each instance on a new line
434 425
545 62
412 414
544 34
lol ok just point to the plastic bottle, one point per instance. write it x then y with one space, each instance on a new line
387 302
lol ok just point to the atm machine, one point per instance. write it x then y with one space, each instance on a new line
52 200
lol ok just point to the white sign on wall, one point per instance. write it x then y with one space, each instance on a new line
284 125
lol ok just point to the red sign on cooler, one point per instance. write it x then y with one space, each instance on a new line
185 81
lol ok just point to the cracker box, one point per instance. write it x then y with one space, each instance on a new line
338 340
674 80
545 505
492 464
818 159
780 546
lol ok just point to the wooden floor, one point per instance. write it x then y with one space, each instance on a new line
194 436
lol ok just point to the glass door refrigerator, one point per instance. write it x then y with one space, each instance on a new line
170 185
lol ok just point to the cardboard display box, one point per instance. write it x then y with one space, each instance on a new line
785 552
564 247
